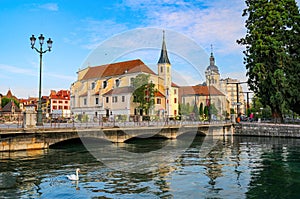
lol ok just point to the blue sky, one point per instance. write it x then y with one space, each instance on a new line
78 28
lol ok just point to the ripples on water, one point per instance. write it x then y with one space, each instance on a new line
234 167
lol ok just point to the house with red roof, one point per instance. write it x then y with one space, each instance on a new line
59 104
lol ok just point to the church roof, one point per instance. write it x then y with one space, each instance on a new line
164 59
8 107
119 68
199 90
120 90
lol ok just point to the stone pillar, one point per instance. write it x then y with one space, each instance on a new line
29 120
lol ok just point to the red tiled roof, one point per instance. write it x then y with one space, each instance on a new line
121 90
119 68
158 94
199 90
174 85
62 94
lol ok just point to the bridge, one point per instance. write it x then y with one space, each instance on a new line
41 138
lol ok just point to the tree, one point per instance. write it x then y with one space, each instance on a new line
271 25
184 109
6 100
196 111
201 109
206 111
143 92
213 110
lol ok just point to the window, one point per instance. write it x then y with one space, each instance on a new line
54 101
168 69
66 102
175 100
93 85
66 107
175 91
158 101
131 81
161 69
117 82
60 102
97 100
104 85
84 101
175 112
123 98
54 107
115 99
60 107
107 99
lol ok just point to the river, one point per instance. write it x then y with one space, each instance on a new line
231 167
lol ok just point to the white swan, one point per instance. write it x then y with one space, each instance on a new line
74 177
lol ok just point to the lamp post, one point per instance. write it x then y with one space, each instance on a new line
41 52
247 107
237 94
209 74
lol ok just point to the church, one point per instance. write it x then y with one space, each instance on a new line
108 89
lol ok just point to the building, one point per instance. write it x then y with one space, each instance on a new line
11 111
234 95
107 89
29 102
205 95
59 103
231 88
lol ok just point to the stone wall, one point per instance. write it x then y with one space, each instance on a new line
270 130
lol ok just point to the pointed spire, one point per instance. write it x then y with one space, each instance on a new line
212 58
164 54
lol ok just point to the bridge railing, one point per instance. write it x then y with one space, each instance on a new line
109 124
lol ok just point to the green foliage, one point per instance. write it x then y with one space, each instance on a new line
213 109
206 111
5 100
232 111
143 92
201 109
184 109
272 52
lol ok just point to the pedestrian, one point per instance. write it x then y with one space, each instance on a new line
251 117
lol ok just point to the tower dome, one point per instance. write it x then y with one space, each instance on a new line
212 66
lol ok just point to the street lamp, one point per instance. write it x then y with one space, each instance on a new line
209 74
237 94
41 52
247 107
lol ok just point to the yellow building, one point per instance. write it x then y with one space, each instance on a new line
107 89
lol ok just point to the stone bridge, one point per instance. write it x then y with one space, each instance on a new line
26 139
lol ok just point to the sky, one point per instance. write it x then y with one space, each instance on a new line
82 30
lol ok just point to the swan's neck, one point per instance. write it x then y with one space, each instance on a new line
77 173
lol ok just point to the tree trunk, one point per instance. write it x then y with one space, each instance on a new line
277 116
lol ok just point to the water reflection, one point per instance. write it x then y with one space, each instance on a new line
215 167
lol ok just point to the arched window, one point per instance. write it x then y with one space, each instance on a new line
104 84
117 82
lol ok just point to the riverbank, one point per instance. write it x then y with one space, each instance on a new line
267 130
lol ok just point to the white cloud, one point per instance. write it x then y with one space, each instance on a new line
17 70
216 23
99 30
49 6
